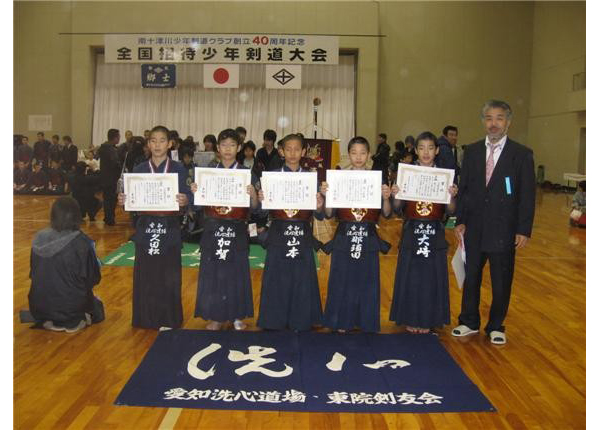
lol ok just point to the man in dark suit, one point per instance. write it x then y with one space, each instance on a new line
496 203
110 172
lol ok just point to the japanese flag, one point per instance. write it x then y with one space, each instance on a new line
283 77
221 76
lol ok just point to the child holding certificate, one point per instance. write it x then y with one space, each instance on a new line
420 299
353 288
157 264
290 297
224 284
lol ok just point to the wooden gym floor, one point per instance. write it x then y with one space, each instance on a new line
536 380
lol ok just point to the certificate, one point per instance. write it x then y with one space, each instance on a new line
287 190
420 183
354 189
222 187
151 191
203 158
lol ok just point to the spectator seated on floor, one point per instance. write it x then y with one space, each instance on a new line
57 180
64 269
38 181
21 177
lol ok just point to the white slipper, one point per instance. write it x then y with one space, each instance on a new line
214 325
463 330
49 325
497 337
239 325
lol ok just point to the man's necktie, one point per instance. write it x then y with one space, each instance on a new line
489 165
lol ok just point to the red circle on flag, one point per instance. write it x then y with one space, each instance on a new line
221 75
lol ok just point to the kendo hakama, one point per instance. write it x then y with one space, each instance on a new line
290 296
157 272
353 290
224 283
421 297
157 265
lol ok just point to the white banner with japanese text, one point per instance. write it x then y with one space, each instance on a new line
221 48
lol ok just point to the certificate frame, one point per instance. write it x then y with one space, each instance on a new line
422 183
203 174
337 196
307 179
166 183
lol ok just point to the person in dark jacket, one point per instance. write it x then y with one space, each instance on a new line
55 150
57 179
38 180
494 217
69 154
21 178
40 150
447 157
84 186
24 152
64 269
381 159
110 172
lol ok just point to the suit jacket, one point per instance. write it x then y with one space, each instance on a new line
445 157
110 168
495 213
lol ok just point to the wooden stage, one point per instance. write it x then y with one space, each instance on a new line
536 380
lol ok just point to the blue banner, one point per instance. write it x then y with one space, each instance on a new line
158 76
287 371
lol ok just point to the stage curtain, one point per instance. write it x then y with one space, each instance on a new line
121 102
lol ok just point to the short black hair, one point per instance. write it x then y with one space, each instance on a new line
405 153
210 138
359 140
68 138
409 139
40 133
240 129
270 135
187 151
56 136
250 145
65 214
173 134
112 134
160 128
228 133
293 136
582 186
426 135
449 128
383 136
80 168
399 145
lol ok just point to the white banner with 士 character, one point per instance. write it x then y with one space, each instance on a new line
221 48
